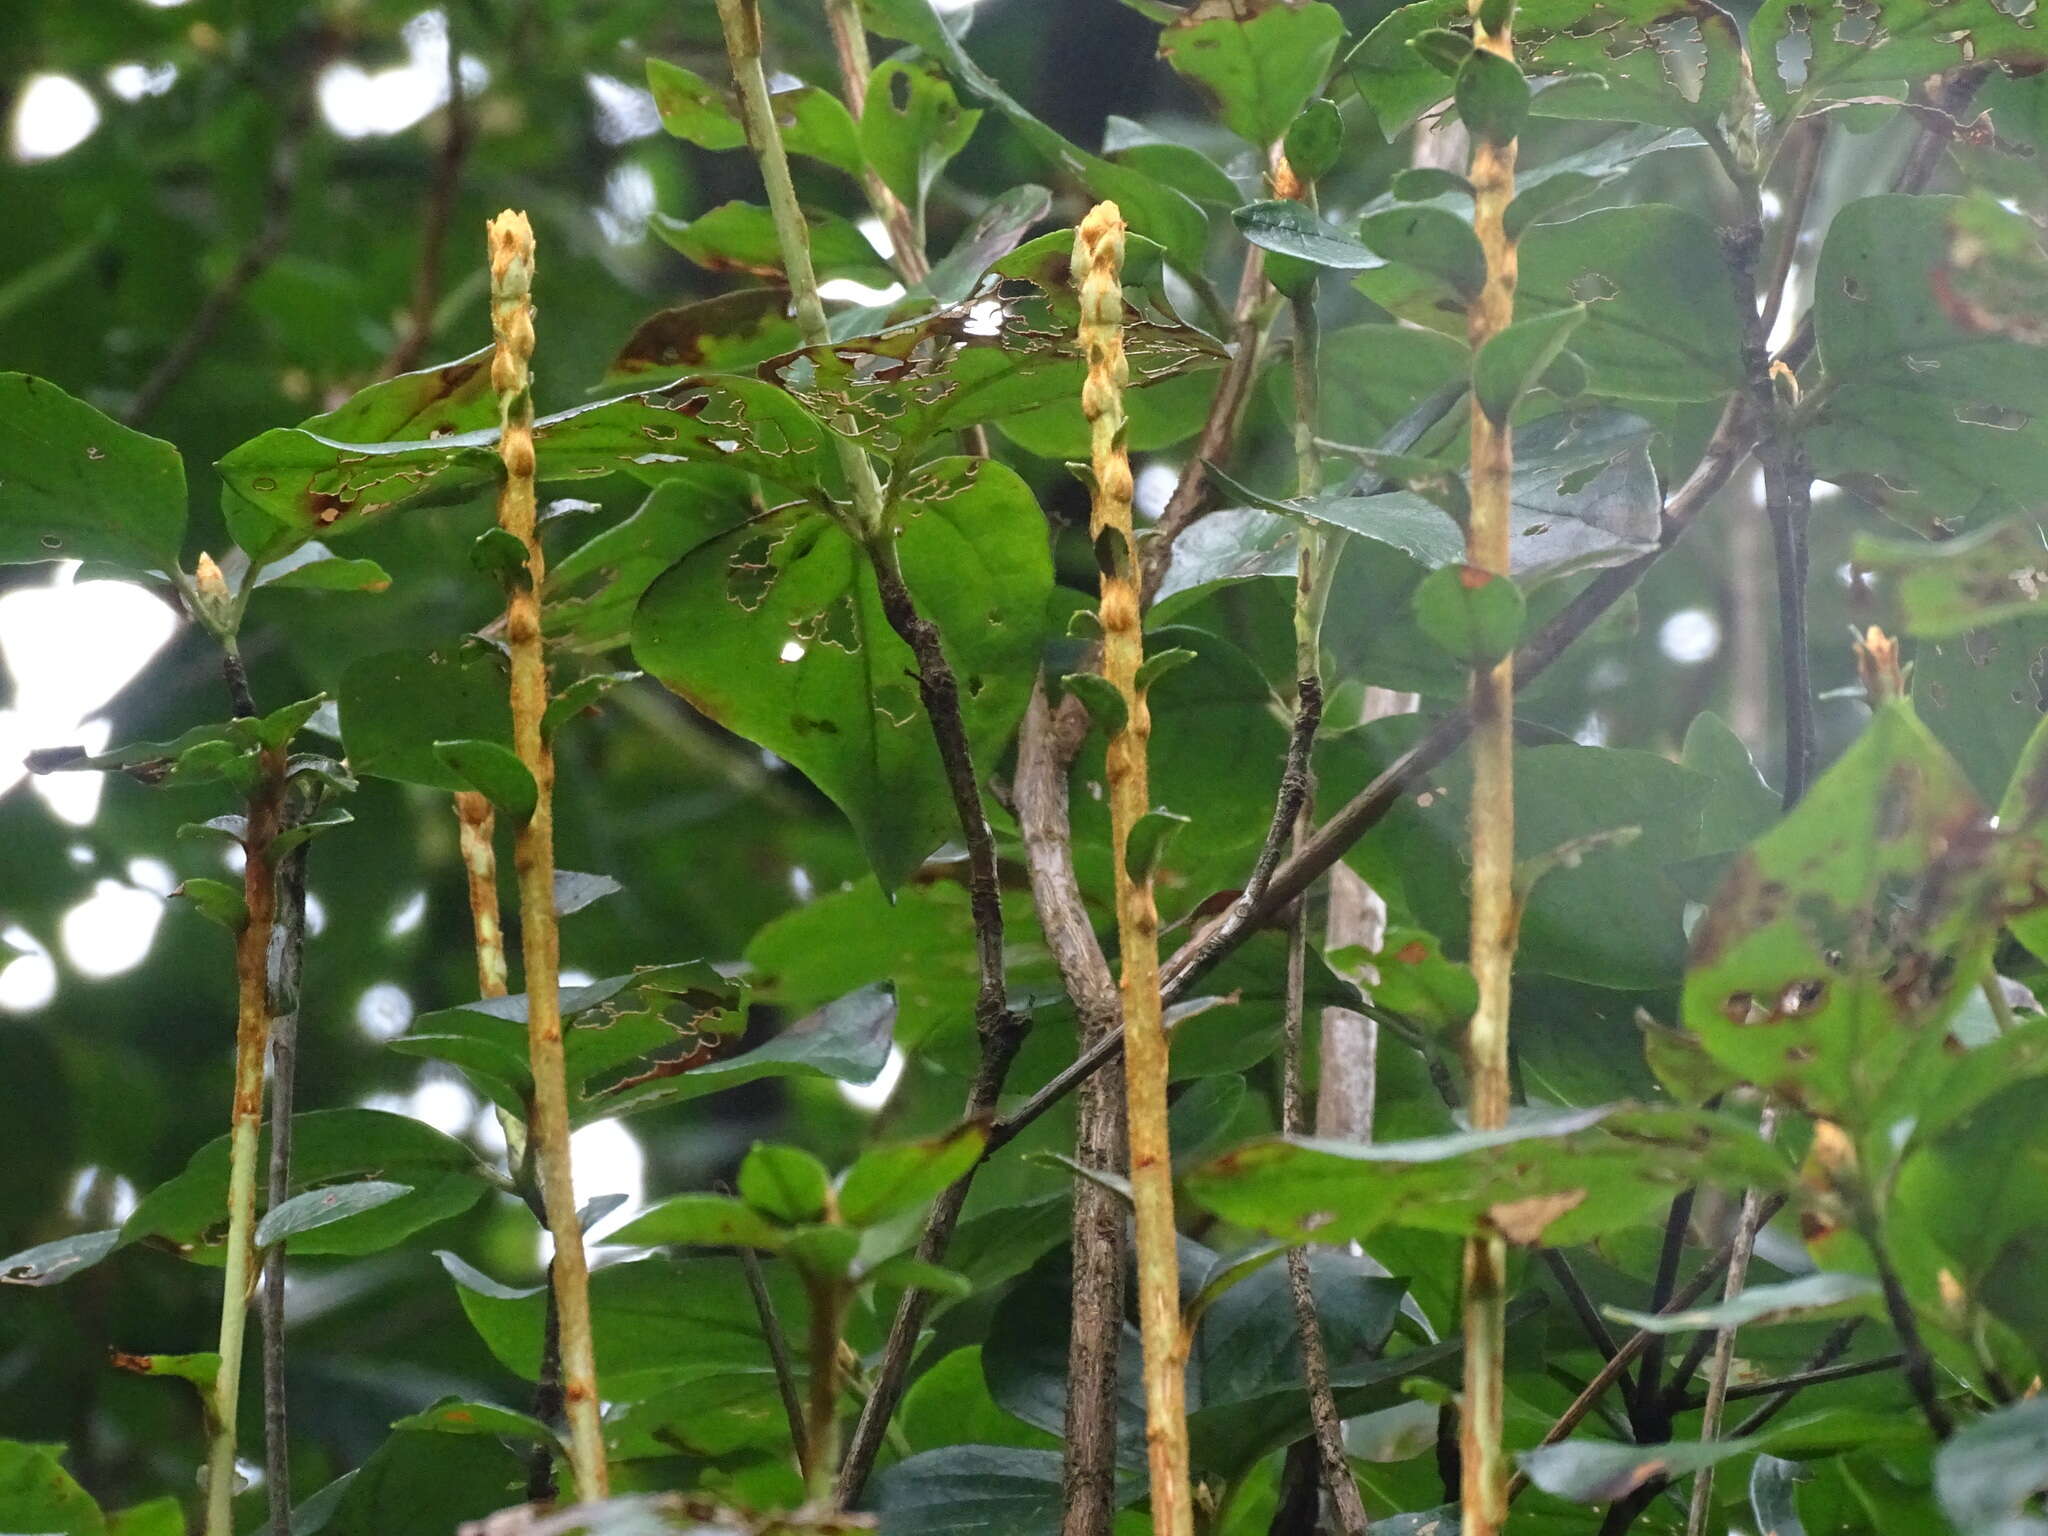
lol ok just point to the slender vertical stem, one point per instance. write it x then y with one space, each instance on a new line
477 824
1000 1030
821 1431
1097 265
778 1356
1095 1328
252 1042
287 960
1484 1470
850 43
1724 1340
511 253
1919 1363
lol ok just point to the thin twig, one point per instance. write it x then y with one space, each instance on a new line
252 1044
1686 1294
1918 1362
456 137
1581 1303
1219 428
287 966
850 43
1094 1339
512 262
1746 1226
1646 1408
1726 449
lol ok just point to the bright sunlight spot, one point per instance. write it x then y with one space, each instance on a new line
363 103
1690 636
872 1096
53 116
383 1011
29 980
110 931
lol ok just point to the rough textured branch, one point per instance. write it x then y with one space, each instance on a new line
511 253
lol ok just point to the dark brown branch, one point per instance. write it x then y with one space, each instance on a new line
778 1356
287 966
547 1396
1581 1303
1001 1031
1918 1362
1045 749
457 135
1686 1294
1646 1406
1294 782
1727 448
1219 430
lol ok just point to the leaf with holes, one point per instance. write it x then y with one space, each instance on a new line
443 1179
1942 591
722 335
1261 61
911 125
1848 49
1557 1178
776 631
311 484
740 237
1840 941
1012 351
1942 425
77 485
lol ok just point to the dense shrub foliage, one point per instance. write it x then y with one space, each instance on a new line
1261 766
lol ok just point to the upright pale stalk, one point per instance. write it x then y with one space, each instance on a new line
478 824
252 1044
1098 261
1484 1474
511 251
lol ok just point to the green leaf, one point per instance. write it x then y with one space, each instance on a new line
1774 1494
1491 96
56 1261
1807 1299
911 126
156 1517
1740 806
1943 425
38 1495
846 1041
1294 229
1515 358
740 237
1660 318
457 1416
775 630
493 771
1842 939
970 1490
1418 980
216 900
397 707
421 1480
1474 615
1947 589
309 483
574 890
1315 139
907 1272
320 1207
995 233
312 567
889 1180
77 485
1558 1178
1103 700
201 1370
721 335
716 1221
328 1146
1546 197
1597 1471
429 402
618 1023
692 108
1150 838
786 1183
654 1320
1989 1473
1421 183
950 1404
1430 241
1900 40
1262 61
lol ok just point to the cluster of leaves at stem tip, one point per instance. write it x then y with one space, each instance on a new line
925 765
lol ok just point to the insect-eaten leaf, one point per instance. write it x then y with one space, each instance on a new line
776 631
1840 941
77 485
1947 589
